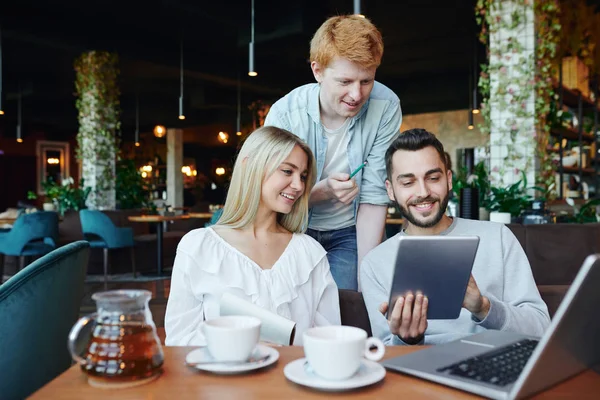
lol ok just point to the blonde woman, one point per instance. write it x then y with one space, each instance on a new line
257 250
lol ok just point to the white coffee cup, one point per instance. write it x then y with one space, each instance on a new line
335 352
231 338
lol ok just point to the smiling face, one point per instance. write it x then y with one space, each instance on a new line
285 186
421 185
345 88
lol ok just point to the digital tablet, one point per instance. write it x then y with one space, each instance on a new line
437 266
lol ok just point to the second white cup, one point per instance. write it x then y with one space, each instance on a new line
335 352
231 338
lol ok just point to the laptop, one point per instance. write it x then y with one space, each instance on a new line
506 365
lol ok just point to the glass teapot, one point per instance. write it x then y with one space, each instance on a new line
123 347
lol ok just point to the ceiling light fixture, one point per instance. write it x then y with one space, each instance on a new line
251 70
137 119
357 9
238 129
19 116
187 170
181 116
470 126
160 131
223 137
474 103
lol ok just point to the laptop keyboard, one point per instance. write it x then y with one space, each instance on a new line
498 367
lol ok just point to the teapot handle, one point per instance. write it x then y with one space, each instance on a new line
74 334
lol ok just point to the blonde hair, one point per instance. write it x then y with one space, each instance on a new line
349 36
260 156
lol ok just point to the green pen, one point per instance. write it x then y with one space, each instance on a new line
361 166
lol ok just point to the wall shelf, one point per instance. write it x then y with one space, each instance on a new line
571 98
575 170
578 102
571 134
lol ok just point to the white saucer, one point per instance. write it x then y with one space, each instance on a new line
369 373
202 354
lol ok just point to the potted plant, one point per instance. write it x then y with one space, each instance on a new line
479 180
50 197
64 196
588 212
48 204
509 201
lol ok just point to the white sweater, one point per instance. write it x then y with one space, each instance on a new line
502 273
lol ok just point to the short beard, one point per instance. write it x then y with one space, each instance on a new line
438 217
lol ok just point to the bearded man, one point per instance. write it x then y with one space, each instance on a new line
501 293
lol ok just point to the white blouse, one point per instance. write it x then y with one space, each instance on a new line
299 286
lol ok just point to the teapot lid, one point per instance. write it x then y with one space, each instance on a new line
120 300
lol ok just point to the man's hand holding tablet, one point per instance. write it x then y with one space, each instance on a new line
432 279
408 320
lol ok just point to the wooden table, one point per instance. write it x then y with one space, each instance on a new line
180 382
201 215
9 221
158 220
174 208
394 221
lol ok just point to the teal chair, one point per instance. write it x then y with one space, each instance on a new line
32 234
99 230
215 218
38 307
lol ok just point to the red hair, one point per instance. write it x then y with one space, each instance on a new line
348 36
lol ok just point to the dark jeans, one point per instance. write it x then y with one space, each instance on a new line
342 255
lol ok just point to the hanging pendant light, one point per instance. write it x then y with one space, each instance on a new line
181 116
137 119
357 9
238 125
1 110
471 126
251 70
223 137
160 131
475 104
19 116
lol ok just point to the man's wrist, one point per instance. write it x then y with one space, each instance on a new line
484 310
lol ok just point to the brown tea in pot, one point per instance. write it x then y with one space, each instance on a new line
123 347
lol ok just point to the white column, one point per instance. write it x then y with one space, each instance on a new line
174 164
98 171
512 144
98 115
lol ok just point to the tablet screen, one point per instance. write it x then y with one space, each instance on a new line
437 266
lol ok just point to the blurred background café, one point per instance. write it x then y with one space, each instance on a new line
120 122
